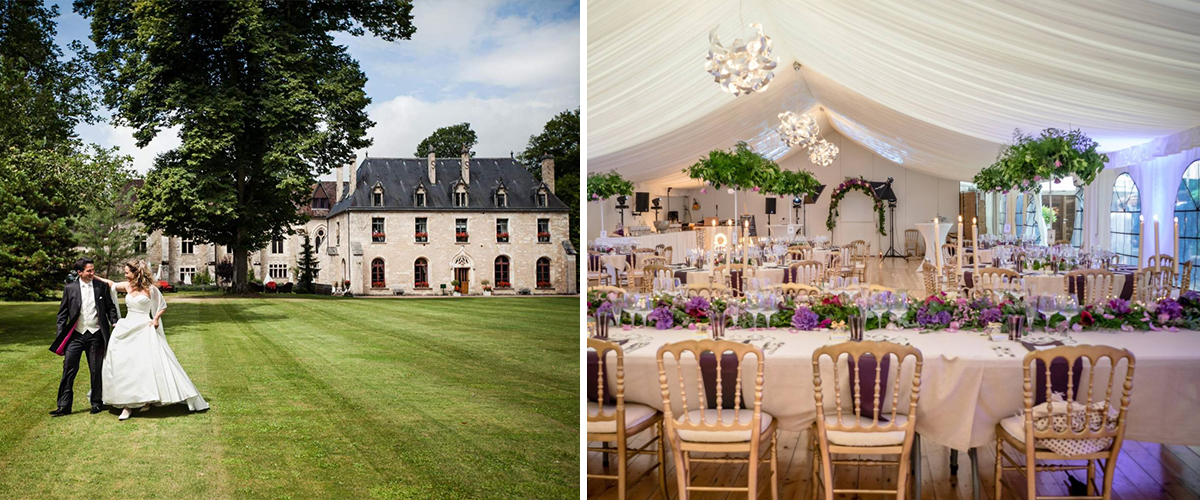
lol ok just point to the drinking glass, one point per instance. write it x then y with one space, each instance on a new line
1031 310
631 306
898 306
1048 306
754 305
770 307
1070 308
879 306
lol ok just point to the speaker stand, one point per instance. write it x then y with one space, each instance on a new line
891 253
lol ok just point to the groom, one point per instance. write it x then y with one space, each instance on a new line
85 319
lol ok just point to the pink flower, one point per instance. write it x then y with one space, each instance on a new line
1057 163
1126 328
1037 178
756 188
703 190
1108 316
1077 327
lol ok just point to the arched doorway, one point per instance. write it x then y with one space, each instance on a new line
461 266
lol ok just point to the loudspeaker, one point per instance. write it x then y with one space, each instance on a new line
641 202
770 206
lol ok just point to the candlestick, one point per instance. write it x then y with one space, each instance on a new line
1176 254
937 246
1141 239
1156 237
975 243
958 256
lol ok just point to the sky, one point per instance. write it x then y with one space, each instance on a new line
506 67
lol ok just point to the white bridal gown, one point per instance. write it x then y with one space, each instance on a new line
139 367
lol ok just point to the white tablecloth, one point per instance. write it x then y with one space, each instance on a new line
773 274
932 246
679 241
966 389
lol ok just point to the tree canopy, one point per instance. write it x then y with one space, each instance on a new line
448 142
264 99
560 139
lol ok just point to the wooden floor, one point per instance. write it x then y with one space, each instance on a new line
1145 471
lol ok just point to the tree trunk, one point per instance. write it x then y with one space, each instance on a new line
239 270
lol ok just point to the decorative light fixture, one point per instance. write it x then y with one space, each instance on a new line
822 153
798 130
744 67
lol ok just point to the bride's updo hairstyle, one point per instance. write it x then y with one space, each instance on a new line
141 274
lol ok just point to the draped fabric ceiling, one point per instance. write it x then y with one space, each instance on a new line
934 86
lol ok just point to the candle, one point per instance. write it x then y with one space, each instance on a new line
1176 254
937 250
1141 239
959 254
975 243
1156 237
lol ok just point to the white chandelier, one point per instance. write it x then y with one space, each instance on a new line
743 68
797 130
822 153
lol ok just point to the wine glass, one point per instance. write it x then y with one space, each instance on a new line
1070 309
879 306
898 306
754 305
1048 305
1031 310
632 306
770 306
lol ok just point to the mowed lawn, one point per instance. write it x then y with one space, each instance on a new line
312 397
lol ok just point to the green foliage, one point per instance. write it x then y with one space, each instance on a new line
605 186
202 277
107 230
264 99
308 267
856 184
1049 215
1053 155
43 194
560 139
224 271
448 142
739 168
793 183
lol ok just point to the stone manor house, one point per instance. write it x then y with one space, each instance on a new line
413 224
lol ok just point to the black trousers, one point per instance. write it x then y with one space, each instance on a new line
91 344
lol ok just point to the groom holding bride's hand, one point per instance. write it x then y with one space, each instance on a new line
85 319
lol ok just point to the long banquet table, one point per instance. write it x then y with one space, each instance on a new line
966 388
679 241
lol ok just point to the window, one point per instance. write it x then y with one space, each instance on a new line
277 271
277 246
377 276
1019 227
502 268
186 274
228 249
187 246
502 198
419 197
377 233
339 234
460 196
1066 201
501 230
143 244
1187 210
320 239
421 273
543 273
1123 219
460 230
421 231
543 230
320 203
543 200
377 197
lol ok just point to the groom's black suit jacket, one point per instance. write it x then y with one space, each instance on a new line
72 302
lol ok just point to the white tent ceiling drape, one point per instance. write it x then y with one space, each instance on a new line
934 86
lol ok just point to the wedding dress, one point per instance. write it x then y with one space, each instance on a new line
139 367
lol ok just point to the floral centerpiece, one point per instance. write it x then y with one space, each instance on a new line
502 236
855 184
1055 154
542 236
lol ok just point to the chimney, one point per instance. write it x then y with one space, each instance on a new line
432 169
337 186
466 166
353 179
548 171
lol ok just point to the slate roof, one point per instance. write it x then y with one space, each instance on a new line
400 178
322 189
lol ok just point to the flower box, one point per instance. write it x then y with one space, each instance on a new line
421 237
544 284
543 237
461 237
503 284
378 284
421 284
378 237
502 237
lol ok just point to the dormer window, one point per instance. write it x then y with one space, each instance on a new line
501 198
543 199
377 196
460 196
320 203
419 197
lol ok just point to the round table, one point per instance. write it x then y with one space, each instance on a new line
932 246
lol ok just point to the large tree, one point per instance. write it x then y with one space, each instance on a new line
560 139
448 142
108 231
265 102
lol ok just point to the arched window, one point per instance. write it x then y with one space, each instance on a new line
377 196
502 276
1187 210
320 238
543 273
543 199
377 274
501 198
421 273
1123 219
460 196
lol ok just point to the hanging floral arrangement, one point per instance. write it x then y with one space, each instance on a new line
1052 156
788 183
738 168
604 186
858 184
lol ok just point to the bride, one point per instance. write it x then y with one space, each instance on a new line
139 367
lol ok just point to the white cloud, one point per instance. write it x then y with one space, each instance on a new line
109 136
541 55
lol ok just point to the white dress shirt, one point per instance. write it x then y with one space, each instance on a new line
89 316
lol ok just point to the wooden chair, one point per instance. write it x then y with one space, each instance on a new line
653 261
1097 285
724 271
807 272
799 292
912 243
799 252
1152 283
707 290
626 275
850 432
607 289
595 270
873 289
652 271
704 427
1160 260
860 253
1185 278
990 279
932 280
1017 429
616 422
667 253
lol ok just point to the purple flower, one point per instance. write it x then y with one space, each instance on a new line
1109 316
927 319
1170 308
804 319
697 307
991 315
1119 306
1192 295
595 197
662 318
604 308
1126 328
1077 327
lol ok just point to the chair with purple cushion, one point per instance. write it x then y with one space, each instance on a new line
610 419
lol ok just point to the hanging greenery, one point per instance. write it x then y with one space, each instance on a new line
789 183
739 168
604 186
1053 155
858 184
